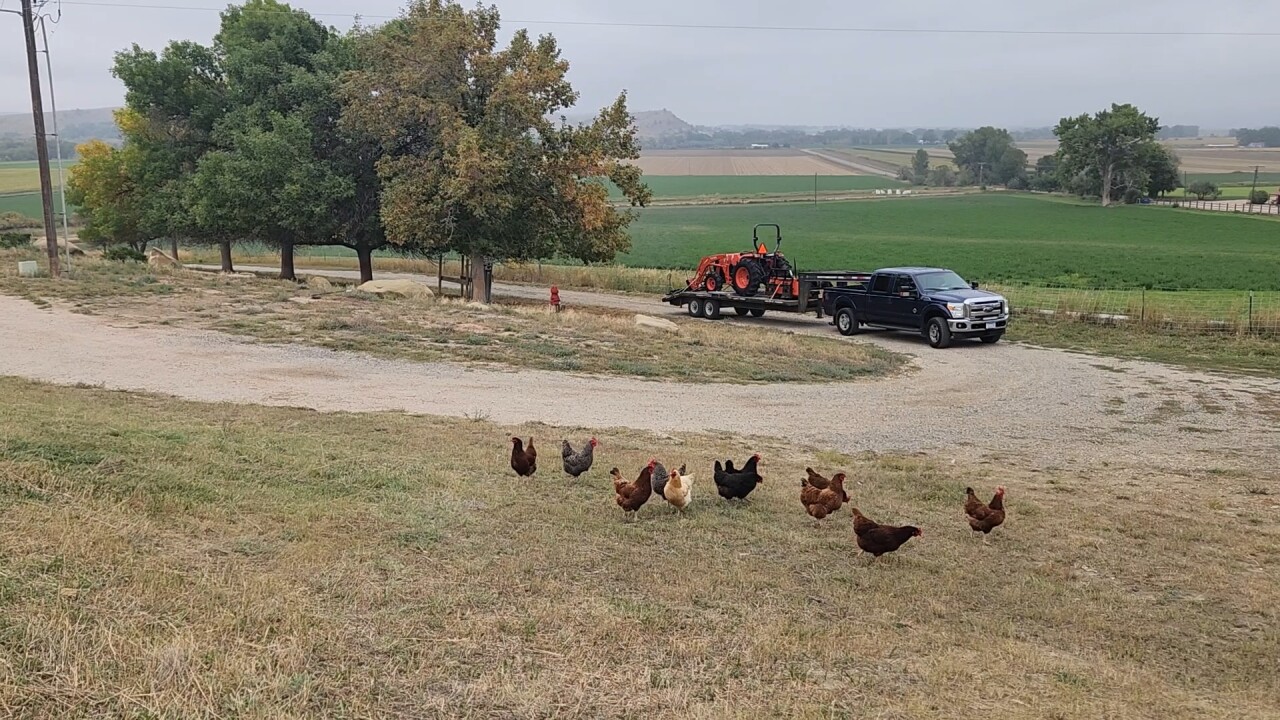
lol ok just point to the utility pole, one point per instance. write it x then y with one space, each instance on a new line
1255 182
981 166
57 139
42 146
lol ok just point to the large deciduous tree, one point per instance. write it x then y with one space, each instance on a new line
988 155
473 160
920 167
1110 146
103 185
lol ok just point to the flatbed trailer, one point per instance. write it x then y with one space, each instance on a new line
710 304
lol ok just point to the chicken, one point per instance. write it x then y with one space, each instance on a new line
816 480
737 484
679 489
631 496
660 477
524 459
984 518
879 539
577 463
821 503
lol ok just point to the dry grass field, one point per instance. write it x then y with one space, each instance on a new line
174 559
737 162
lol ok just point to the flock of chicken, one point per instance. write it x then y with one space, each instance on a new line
819 495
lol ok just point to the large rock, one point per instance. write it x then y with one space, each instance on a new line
319 282
653 323
157 258
403 288
63 244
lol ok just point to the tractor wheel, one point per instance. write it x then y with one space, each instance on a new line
747 276
757 312
695 307
711 310
712 283
742 312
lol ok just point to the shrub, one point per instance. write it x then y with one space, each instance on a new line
1204 190
13 240
123 253
1259 197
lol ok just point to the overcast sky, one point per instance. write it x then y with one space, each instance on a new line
728 76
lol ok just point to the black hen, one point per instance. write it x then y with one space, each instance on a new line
737 484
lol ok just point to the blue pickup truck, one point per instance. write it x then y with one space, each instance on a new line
934 302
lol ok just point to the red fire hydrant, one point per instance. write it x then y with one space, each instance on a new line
555 298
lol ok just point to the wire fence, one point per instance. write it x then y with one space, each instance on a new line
1197 312
1233 206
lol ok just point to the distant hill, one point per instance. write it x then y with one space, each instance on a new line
75 126
660 124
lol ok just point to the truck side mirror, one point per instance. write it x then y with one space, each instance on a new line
973 285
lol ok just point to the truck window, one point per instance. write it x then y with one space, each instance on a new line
905 286
881 283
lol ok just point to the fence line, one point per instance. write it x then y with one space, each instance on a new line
1193 312
1241 206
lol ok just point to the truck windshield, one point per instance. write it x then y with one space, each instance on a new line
941 281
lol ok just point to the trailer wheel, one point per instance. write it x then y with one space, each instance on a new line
711 310
742 312
937 332
695 307
757 312
846 321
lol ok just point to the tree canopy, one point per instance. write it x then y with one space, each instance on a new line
1112 148
472 161
988 155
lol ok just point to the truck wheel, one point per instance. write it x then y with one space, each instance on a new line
711 310
757 312
742 312
991 338
937 333
846 321
695 307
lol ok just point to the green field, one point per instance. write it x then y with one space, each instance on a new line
1266 180
28 203
998 237
691 186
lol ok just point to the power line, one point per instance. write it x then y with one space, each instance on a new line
759 28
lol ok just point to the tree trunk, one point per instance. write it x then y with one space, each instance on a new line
1106 185
173 245
365 253
477 277
286 261
226 256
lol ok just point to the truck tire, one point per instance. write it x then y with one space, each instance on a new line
711 309
746 276
991 338
757 312
742 312
937 332
846 321
695 307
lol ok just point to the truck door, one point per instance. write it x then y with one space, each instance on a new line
904 303
877 311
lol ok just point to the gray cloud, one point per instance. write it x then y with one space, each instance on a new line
815 78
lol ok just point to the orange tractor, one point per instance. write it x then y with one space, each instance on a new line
750 272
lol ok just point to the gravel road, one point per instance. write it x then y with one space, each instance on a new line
1049 408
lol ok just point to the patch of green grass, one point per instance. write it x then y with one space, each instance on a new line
29 204
988 238
1234 353
269 562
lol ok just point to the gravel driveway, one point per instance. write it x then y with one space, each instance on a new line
1048 408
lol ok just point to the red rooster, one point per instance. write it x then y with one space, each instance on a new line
524 458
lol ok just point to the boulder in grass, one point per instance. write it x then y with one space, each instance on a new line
401 288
